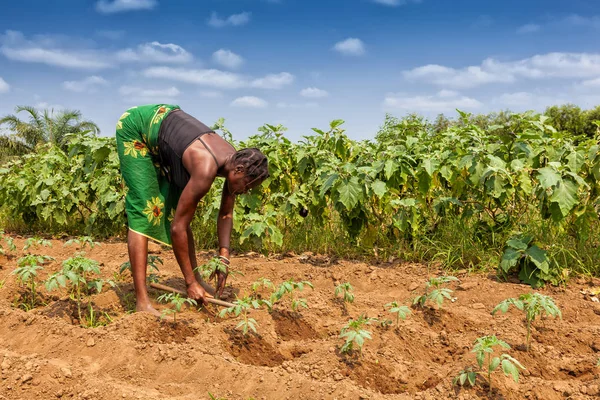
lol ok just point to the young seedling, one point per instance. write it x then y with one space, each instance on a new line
261 283
242 307
436 295
401 312
82 241
355 334
485 346
27 271
152 261
209 270
36 242
345 289
289 287
77 273
176 301
10 244
534 305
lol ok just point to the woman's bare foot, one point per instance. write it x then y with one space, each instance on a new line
147 308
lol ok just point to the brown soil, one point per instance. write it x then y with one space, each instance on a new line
45 354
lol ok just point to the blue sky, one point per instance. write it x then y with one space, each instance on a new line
301 63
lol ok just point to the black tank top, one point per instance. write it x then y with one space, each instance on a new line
177 132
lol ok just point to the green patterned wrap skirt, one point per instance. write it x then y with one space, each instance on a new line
151 200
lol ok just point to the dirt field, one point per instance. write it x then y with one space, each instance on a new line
44 354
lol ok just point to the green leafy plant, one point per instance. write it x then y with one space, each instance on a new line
176 302
27 272
152 261
401 312
242 307
355 334
261 283
36 242
80 275
484 346
438 293
534 264
83 241
209 270
289 287
346 290
10 244
534 305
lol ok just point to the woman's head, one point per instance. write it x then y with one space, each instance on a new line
249 168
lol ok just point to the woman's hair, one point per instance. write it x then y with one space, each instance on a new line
255 163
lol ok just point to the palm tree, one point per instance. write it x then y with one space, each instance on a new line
40 127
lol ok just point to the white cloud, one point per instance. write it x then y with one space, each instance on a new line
45 50
313 92
205 77
581 21
273 81
227 59
233 20
4 87
396 3
219 79
116 6
350 47
544 66
145 94
443 101
89 84
155 52
519 101
249 102
591 83
529 28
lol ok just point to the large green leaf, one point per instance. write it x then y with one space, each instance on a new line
565 195
350 192
548 177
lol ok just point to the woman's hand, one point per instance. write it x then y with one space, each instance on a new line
197 292
221 276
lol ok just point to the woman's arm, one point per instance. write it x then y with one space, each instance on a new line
197 187
224 226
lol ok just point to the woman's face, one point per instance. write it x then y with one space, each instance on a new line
239 183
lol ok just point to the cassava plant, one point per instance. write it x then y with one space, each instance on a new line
176 302
242 307
289 287
401 312
346 290
27 272
484 349
438 293
534 305
80 274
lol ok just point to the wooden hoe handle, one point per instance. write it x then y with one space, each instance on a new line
181 292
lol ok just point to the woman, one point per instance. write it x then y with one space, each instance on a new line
169 161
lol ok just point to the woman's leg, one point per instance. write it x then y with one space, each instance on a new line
137 246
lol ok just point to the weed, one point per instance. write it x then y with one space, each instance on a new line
355 334
345 289
485 346
152 261
401 311
436 295
534 305
176 301
10 244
